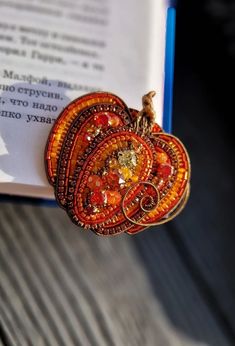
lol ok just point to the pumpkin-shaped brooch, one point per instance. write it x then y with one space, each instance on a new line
113 168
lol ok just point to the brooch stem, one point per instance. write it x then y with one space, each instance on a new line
145 118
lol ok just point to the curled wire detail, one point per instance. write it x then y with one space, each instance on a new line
147 202
177 209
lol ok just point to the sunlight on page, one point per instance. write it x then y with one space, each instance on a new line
4 177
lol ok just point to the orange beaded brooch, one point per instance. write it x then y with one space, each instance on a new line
113 169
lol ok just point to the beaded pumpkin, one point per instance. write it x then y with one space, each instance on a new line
112 168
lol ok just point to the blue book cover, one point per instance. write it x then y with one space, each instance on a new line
169 67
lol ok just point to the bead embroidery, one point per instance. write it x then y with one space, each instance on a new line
112 168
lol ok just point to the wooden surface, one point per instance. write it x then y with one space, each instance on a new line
63 286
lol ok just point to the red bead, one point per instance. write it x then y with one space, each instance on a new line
164 171
87 137
114 120
101 120
156 128
150 191
97 198
90 209
112 179
113 197
94 182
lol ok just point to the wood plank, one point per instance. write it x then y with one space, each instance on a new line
61 285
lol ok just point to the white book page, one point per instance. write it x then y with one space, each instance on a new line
53 51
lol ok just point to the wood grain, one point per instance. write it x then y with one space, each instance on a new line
64 286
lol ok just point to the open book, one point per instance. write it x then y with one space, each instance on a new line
53 51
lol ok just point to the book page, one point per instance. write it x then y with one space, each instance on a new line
53 51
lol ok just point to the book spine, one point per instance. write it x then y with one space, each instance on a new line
169 67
